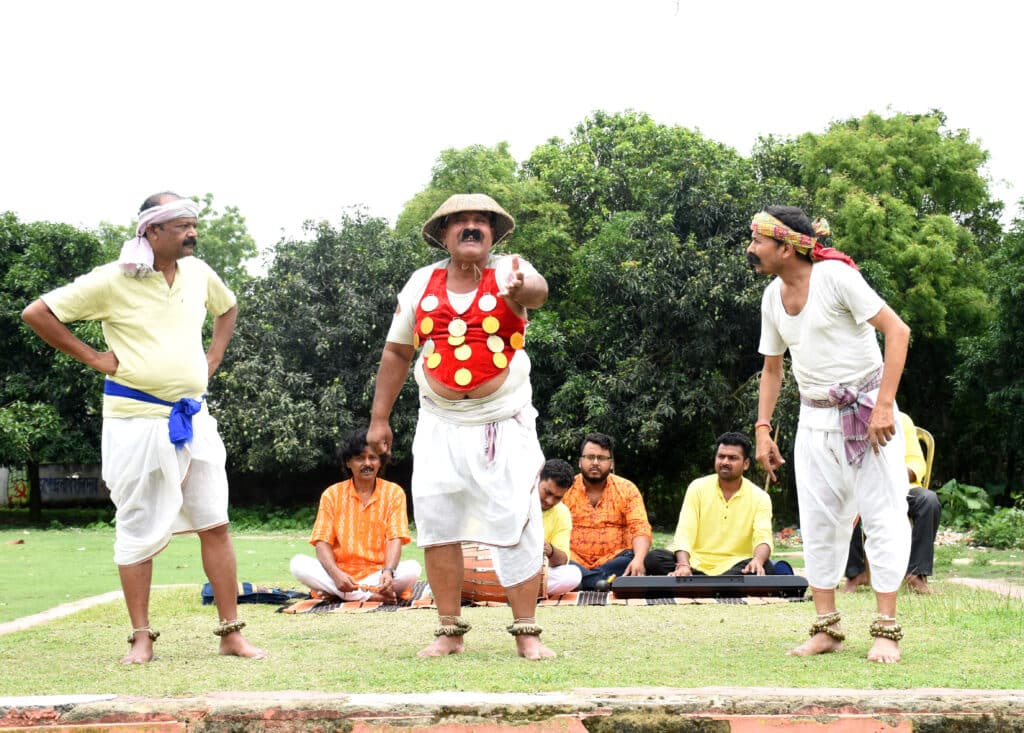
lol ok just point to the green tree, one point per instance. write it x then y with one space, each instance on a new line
908 199
655 339
300 370
990 373
49 403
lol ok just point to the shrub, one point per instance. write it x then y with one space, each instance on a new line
1003 530
963 506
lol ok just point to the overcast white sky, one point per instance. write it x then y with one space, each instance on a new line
298 110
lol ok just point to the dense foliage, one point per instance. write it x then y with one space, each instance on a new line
650 332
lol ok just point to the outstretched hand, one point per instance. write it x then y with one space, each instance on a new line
513 283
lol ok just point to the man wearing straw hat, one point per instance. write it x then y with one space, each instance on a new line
848 453
162 457
476 457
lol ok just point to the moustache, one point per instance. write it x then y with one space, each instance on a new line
190 242
753 259
468 234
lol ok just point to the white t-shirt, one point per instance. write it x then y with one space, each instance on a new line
830 341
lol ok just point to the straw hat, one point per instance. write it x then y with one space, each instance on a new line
503 224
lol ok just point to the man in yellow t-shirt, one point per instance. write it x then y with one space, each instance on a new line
163 460
555 479
725 525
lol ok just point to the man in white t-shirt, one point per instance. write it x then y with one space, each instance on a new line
849 449
476 456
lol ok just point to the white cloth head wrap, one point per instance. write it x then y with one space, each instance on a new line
136 258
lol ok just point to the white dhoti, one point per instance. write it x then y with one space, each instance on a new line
831 493
475 469
308 571
158 490
563 579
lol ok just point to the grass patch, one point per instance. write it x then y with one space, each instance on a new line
686 646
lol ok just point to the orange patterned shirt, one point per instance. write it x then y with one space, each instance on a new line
601 532
357 533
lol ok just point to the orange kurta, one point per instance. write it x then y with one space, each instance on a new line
601 532
356 532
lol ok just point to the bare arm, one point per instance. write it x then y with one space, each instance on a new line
555 556
641 544
325 554
223 328
882 425
48 327
394 366
756 565
682 564
767 452
392 556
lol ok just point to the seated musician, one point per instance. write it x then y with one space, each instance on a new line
555 479
359 531
725 526
610 531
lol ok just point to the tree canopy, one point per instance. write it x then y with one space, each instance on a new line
651 328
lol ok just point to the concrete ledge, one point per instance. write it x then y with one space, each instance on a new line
708 710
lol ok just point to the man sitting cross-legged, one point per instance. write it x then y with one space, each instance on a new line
359 532
725 525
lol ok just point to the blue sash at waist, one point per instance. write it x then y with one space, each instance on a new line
179 422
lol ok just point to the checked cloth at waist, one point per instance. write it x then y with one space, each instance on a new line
855 406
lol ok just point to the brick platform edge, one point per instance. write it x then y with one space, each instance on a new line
708 710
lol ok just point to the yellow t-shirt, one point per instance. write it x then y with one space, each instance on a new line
155 330
558 527
914 456
718 534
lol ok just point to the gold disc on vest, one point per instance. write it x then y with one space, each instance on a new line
457 327
516 340
426 325
491 324
500 360
462 353
415 340
456 340
495 343
463 377
433 360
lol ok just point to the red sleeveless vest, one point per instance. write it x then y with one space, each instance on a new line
462 351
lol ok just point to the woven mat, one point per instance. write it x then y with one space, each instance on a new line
421 598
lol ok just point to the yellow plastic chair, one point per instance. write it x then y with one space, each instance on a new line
928 441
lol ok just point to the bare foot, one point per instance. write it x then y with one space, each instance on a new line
884 651
443 645
852 584
236 645
381 598
820 643
918 584
141 651
529 647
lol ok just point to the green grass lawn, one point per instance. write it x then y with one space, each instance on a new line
958 637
